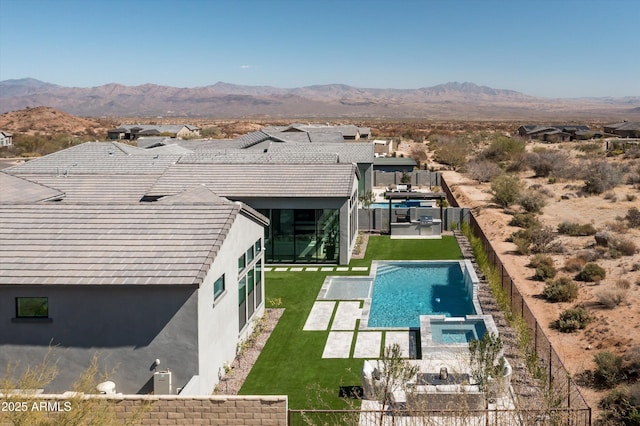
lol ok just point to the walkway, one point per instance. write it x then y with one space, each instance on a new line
345 340
315 268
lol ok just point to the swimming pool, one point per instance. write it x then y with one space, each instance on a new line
455 331
402 204
403 291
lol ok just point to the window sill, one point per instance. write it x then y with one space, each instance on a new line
32 320
219 298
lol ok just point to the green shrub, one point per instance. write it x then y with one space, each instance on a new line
543 240
532 202
506 189
561 290
504 148
576 230
591 272
522 240
609 369
524 220
572 320
544 272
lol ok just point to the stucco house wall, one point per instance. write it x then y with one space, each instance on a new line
128 327
218 333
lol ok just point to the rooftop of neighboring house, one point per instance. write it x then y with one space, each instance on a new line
147 128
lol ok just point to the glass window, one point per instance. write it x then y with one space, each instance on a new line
242 289
258 246
242 262
250 255
250 280
32 307
258 283
218 287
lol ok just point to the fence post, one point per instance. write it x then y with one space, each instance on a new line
550 375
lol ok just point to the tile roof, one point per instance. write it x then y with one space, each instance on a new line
16 190
145 243
98 158
93 188
267 180
247 156
352 152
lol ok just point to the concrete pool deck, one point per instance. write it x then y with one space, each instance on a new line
345 340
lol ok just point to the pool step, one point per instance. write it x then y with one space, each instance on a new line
387 269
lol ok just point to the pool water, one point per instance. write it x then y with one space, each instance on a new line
452 332
402 291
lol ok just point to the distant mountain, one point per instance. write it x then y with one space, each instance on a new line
223 100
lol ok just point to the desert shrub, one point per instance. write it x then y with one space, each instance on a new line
601 176
589 147
547 163
623 284
576 230
544 272
591 272
504 148
524 220
609 369
482 170
633 217
518 163
452 152
540 260
620 246
543 240
561 290
574 264
592 255
612 297
572 320
630 197
522 240
532 202
506 189
611 196
621 407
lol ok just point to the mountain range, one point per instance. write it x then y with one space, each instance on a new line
463 101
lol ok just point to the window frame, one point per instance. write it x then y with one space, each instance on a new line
217 295
22 316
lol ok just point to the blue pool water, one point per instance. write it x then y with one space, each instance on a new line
402 291
448 332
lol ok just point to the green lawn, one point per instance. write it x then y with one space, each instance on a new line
291 362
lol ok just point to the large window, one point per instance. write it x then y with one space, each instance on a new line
32 307
218 287
302 235
242 262
242 302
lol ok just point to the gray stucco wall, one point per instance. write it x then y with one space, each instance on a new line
418 178
128 327
380 217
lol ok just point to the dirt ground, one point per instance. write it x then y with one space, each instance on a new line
614 330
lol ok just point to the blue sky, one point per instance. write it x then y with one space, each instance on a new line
550 48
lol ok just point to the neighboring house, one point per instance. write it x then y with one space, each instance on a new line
179 281
6 138
394 164
382 148
135 131
553 133
625 129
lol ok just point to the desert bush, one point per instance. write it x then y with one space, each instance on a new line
524 220
610 196
612 297
576 230
633 217
543 240
609 369
630 197
522 240
620 246
621 407
540 260
601 176
572 320
574 264
547 163
591 272
561 290
452 152
506 189
532 202
623 284
482 170
544 272
592 255
504 148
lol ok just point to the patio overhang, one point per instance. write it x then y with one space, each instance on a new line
414 195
